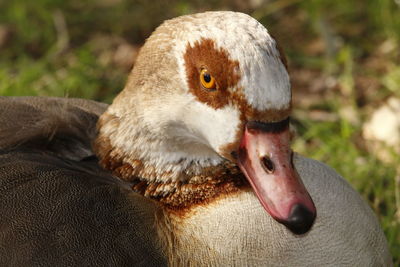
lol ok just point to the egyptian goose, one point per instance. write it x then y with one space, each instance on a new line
191 166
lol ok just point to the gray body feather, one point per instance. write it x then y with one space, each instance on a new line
58 207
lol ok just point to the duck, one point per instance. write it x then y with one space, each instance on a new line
191 165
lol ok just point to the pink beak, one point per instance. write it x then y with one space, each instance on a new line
265 158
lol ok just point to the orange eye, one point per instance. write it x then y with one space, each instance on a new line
207 80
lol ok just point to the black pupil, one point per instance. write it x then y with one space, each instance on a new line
207 77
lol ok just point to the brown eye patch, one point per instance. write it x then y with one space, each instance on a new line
205 55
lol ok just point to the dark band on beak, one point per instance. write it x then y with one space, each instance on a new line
269 127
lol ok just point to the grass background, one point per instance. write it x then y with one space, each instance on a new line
343 56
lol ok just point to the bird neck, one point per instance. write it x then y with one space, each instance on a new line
142 157
178 185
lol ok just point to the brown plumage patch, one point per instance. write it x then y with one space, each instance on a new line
205 54
178 197
181 197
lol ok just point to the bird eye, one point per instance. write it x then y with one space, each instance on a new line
207 80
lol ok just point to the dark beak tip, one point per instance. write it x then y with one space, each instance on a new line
300 220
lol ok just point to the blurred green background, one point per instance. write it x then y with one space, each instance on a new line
343 58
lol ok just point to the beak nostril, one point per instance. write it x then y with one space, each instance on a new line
267 164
